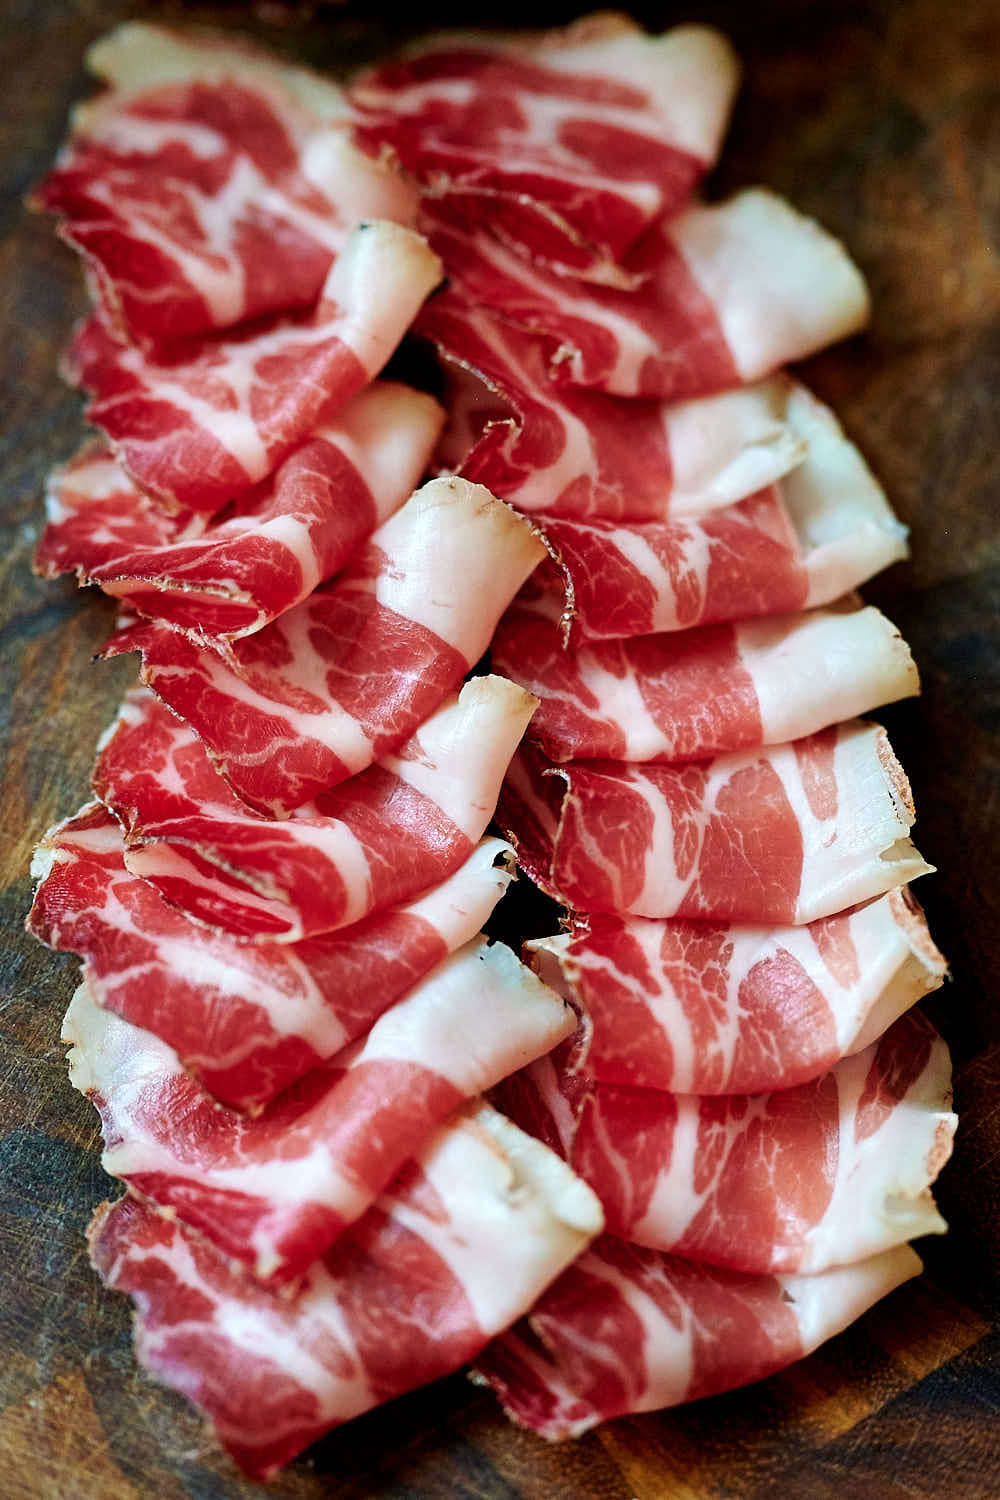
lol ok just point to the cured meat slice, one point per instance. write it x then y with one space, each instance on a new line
781 835
351 672
377 840
460 1246
712 1008
137 55
568 145
95 514
246 1019
698 693
272 1192
824 530
210 184
660 339
216 415
731 293
265 553
822 1174
626 1329
573 452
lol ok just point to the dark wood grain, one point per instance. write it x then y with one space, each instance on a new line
884 120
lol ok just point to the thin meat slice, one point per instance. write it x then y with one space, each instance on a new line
578 453
780 835
568 144
210 184
822 1174
730 293
356 668
379 839
823 530
200 423
699 693
714 1008
274 1191
626 1329
460 1246
264 553
137 55
245 1019
96 515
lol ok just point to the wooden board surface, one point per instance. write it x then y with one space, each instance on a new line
883 119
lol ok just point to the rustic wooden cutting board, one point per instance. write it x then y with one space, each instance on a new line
883 119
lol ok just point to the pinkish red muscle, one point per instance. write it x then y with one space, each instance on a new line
661 339
95 514
726 294
803 1178
821 531
798 1179
267 551
216 415
698 693
714 1008
626 1329
565 452
459 1247
377 840
571 452
352 671
568 146
740 838
641 578
246 1019
274 1191
209 184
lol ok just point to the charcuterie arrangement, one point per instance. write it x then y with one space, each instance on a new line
679 1143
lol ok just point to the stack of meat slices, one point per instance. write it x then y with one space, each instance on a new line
287 1015
746 1092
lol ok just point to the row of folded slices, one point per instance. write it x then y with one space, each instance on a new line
288 1015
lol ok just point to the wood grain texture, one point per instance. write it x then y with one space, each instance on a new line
883 119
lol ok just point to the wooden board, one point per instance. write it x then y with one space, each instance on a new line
881 118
